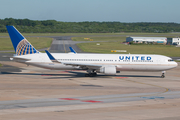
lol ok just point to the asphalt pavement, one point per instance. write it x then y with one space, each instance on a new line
15 104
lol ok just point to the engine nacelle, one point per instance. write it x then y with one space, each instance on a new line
108 70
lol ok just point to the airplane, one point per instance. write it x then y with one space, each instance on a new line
108 64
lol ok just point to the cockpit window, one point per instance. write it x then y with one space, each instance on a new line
170 60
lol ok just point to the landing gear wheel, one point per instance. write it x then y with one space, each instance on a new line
91 74
94 74
162 76
87 75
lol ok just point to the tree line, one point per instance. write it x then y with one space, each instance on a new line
53 26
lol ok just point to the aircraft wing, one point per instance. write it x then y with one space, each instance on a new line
90 66
82 65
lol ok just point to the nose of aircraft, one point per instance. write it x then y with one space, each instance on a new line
175 64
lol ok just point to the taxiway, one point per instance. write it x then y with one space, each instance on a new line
30 93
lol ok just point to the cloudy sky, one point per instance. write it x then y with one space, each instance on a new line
92 10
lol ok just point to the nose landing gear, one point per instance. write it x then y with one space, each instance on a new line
163 74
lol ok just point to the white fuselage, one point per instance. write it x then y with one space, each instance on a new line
122 62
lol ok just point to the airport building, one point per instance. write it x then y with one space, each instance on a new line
162 40
173 41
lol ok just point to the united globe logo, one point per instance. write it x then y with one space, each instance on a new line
24 47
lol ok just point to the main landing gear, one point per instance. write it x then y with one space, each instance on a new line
163 74
91 73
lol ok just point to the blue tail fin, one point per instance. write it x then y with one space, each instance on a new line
21 45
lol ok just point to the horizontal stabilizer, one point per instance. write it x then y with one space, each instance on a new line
16 58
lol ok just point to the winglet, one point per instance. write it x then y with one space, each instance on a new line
50 56
72 50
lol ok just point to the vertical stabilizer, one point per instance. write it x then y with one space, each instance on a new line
20 44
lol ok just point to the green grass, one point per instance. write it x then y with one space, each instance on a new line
108 38
38 43
66 34
114 43
122 37
5 44
100 34
106 47
60 34
1 65
4 34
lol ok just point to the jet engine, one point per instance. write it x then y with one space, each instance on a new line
107 70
